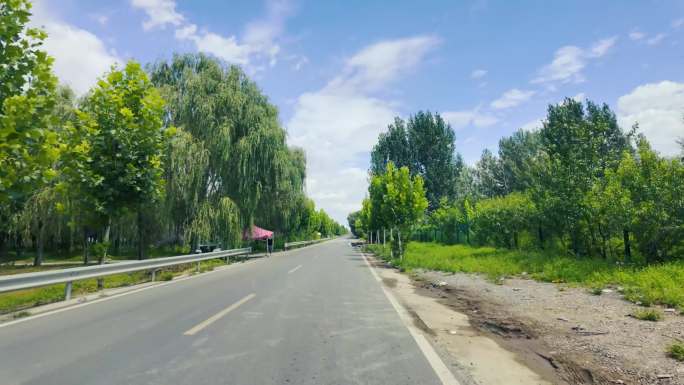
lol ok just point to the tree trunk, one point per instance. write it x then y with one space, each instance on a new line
86 249
391 242
401 251
141 236
515 239
38 260
17 247
105 241
628 248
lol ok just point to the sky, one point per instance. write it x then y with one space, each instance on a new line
339 72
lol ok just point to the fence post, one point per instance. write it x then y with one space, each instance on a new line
67 291
198 266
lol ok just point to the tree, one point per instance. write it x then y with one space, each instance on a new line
393 146
424 144
28 146
397 201
247 159
115 164
351 220
579 145
517 155
489 173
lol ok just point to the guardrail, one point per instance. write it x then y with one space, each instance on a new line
68 276
304 243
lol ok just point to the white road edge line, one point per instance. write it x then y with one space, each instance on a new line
440 368
118 295
197 328
295 269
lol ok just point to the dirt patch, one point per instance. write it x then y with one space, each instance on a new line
476 357
586 339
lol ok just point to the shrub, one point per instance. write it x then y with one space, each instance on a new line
676 351
648 315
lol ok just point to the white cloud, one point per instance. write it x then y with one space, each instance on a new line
533 125
102 19
569 61
226 48
656 39
580 97
257 45
512 98
601 47
338 124
478 73
378 64
659 110
159 13
299 62
636 35
465 118
678 23
80 56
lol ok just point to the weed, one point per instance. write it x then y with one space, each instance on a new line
166 276
648 315
21 314
596 290
676 351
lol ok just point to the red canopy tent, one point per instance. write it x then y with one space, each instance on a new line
258 234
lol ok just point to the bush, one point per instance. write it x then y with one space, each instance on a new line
166 276
676 351
648 315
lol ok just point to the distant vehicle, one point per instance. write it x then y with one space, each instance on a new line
207 248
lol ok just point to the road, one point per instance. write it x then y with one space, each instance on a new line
316 315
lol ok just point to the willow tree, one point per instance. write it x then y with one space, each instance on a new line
248 160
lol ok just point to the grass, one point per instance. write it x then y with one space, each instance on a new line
676 351
654 284
652 315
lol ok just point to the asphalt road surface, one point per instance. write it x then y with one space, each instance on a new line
316 315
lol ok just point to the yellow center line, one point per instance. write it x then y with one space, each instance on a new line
218 315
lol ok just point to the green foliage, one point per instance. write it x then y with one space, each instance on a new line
28 146
424 144
397 201
676 351
657 284
116 158
501 220
652 315
166 276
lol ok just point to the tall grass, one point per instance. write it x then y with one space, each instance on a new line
654 284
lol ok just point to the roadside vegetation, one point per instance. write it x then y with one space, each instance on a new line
579 201
647 285
165 156
25 299
676 351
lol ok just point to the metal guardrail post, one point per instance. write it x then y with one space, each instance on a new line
198 266
67 291
154 272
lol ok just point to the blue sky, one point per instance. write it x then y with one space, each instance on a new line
340 71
